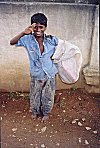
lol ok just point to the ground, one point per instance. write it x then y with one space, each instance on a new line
74 121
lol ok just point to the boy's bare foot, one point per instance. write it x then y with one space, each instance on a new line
45 118
30 110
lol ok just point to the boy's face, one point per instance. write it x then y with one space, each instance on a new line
38 30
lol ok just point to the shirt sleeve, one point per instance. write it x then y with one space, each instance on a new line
22 41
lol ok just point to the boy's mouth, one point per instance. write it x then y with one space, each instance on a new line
38 33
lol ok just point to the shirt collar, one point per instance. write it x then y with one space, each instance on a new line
44 35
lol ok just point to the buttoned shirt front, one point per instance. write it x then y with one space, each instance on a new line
41 65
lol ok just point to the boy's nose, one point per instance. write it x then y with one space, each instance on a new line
38 29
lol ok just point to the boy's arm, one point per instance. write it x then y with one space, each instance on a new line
27 31
14 40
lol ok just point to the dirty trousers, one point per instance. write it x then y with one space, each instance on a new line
42 95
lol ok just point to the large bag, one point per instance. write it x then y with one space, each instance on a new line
68 58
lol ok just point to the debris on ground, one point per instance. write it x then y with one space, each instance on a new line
74 121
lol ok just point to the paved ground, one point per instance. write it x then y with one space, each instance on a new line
74 121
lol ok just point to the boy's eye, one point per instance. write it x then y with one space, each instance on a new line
40 27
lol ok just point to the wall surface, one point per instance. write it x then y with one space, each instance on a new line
57 1
72 22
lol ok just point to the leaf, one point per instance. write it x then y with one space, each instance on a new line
79 123
86 142
88 128
74 121
14 129
43 129
79 139
42 146
95 132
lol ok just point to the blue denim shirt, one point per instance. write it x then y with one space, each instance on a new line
41 65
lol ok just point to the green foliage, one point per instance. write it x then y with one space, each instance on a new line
74 88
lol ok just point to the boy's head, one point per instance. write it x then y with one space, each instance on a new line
39 18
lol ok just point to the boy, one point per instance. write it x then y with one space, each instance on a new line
40 48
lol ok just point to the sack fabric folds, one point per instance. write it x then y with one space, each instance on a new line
68 58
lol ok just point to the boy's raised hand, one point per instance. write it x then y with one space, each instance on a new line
29 29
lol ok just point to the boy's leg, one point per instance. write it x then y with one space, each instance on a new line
48 92
35 94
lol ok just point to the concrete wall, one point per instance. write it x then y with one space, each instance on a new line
91 71
57 1
72 22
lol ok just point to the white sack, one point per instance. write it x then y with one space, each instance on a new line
68 58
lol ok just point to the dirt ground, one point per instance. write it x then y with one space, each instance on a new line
74 121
